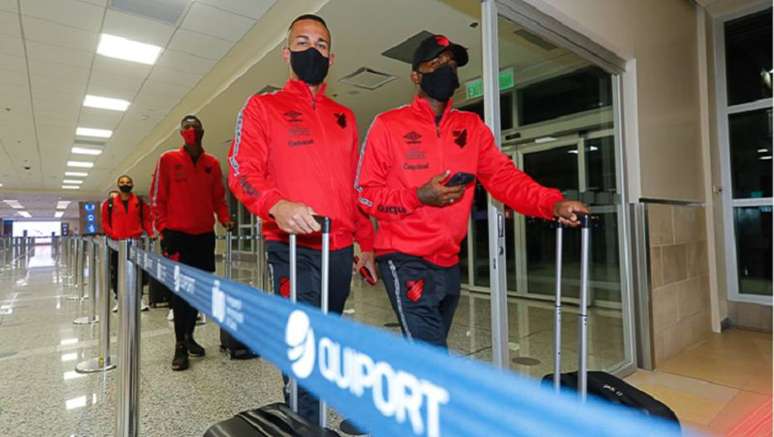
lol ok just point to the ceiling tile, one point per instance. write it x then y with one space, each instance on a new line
111 85
198 44
216 22
62 76
11 46
137 28
180 78
181 61
59 55
248 8
36 29
12 63
68 12
9 24
8 5
120 68
13 77
100 117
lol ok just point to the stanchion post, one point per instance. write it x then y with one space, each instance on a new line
558 311
129 345
103 362
583 316
293 383
92 317
228 257
260 256
325 266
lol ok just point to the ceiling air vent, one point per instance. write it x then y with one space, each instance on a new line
404 51
367 78
168 11
535 40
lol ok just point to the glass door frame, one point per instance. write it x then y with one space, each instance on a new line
549 28
723 111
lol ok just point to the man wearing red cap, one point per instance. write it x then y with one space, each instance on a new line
416 177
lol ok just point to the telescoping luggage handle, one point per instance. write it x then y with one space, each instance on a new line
325 225
583 319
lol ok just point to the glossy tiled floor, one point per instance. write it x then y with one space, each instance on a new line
41 394
721 386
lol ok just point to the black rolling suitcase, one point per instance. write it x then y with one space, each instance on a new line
279 419
234 349
600 385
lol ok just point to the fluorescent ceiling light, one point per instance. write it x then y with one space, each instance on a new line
1 185
62 204
13 204
105 103
25 214
82 164
79 174
544 140
71 187
72 181
122 48
90 132
58 214
764 150
765 158
86 151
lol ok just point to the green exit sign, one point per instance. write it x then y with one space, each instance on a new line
475 88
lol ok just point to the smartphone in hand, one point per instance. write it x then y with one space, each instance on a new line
365 273
459 178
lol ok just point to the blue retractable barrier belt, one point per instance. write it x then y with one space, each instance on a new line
392 386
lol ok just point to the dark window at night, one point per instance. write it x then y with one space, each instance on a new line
748 58
506 110
581 90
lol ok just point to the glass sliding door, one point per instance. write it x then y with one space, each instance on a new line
744 45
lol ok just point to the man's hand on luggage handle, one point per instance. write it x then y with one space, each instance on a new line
294 218
434 193
566 211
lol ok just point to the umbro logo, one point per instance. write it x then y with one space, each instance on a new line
413 137
293 116
341 119
460 137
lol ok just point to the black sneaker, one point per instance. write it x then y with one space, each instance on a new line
194 348
180 361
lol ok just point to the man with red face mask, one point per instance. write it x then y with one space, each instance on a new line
294 155
186 193
418 169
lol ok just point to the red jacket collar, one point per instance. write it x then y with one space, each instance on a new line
422 106
183 150
300 88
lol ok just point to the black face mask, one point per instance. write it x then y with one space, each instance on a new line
125 188
309 65
440 84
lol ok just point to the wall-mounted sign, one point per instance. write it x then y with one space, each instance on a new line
475 88
65 229
89 218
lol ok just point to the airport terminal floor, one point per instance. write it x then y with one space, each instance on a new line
721 386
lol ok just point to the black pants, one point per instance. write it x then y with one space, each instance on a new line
308 289
424 296
196 251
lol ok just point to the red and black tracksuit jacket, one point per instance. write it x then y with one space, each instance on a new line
296 146
186 196
404 148
121 223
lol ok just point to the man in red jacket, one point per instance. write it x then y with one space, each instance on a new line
186 193
294 155
408 181
124 216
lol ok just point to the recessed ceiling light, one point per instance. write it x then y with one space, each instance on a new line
72 181
89 132
1 185
765 158
13 204
100 102
86 151
764 150
71 187
79 174
82 164
122 48
58 214
25 214
62 204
